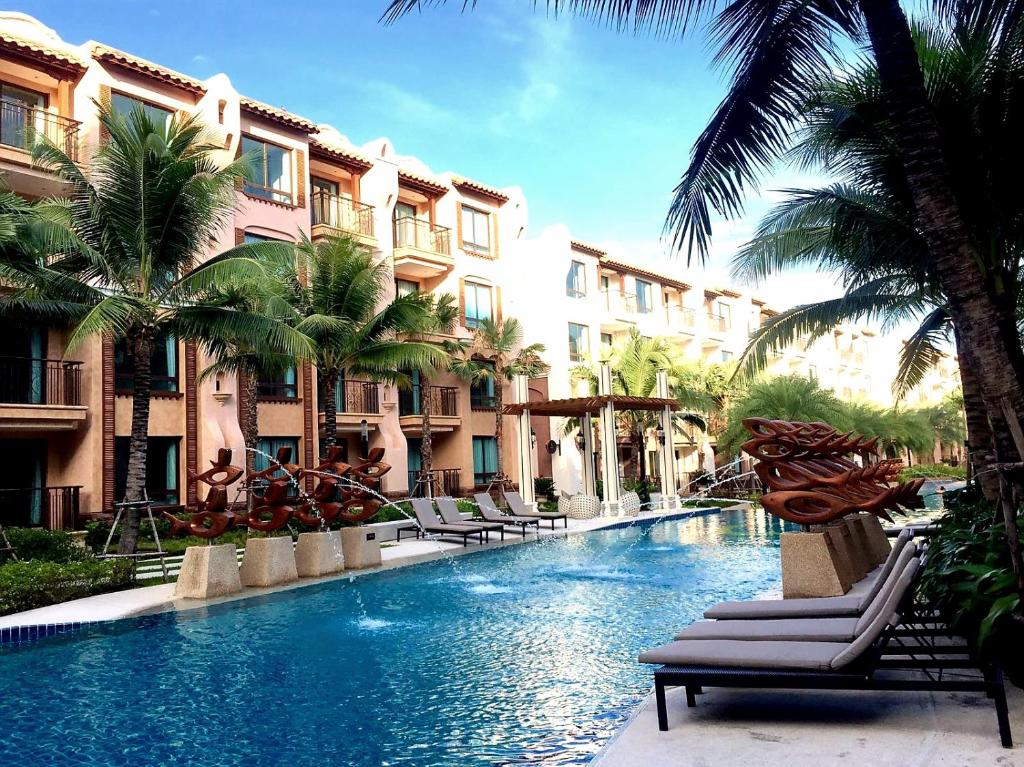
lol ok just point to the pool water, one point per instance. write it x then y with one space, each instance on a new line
521 655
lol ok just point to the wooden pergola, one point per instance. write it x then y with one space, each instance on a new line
602 405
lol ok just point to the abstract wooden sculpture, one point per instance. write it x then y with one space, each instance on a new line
212 517
812 479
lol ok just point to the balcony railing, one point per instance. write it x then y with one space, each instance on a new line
22 125
55 508
39 381
433 483
717 323
342 213
442 400
417 233
352 396
618 302
679 317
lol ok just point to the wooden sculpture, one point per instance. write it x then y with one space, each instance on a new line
272 510
812 479
350 496
212 517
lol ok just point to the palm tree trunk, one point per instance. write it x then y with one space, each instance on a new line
330 382
427 440
250 419
135 487
980 309
499 426
641 455
979 430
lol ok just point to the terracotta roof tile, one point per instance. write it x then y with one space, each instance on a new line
35 50
421 183
465 184
344 155
590 250
137 64
642 272
279 116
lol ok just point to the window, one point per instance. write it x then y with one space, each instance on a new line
268 447
163 365
606 339
250 238
21 116
476 230
477 300
481 391
725 312
812 372
406 287
280 385
644 299
485 459
575 281
161 469
726 356
125 105
410 400
324 209
271 170
579 342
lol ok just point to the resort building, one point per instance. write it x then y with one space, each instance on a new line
65 417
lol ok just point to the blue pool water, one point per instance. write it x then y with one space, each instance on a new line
522 655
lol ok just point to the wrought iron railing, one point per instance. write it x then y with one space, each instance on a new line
679 316
277 389
417 233
433 483
40 381
618 302
355 397
21 126
717 323
342 213
55 508
442 400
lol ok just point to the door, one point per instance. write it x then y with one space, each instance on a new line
22 116
23 494
23 364
405 224
325 201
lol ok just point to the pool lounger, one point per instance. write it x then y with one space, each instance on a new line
429 522
699 663
492 513
451 515
837 629
853 603
518 507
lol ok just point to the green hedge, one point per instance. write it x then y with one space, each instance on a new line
27 585
35 543
933 471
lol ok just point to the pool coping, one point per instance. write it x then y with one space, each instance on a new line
114 606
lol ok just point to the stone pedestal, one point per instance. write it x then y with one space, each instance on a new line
812 565
878 541
862 545
360 547
207 572
850 563
268 562
319 554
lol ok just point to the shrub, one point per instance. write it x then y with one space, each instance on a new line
28 585
35 543
543 486
642 487
933 471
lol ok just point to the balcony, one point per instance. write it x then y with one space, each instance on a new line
443 402
21 126
335 214
55 508
422 249
681 320
621 310
716 325
38 394
437 482
355 401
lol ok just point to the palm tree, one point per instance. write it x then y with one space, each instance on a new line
338 292
777 50
497 354
126 257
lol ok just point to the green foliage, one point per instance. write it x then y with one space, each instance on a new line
968 575
35 543
28 585
543 486
933 471
642 488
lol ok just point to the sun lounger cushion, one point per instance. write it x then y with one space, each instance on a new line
728 653
796 630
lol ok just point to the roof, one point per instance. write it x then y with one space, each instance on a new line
664 279
427 186
475 187
39 52
578 406
590 250
730 293
344 155
277 115
148 68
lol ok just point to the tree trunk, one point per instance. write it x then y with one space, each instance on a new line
330 382
427 440
641 455
499 425
978 304
979 430
141 347
250 418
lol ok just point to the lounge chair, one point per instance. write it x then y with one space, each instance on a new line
518 507
451 515
854 602
492 513
699 663
429 522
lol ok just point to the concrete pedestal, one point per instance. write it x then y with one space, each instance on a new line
319 554
812 565
855 523
878 541
268 562
611 509
360 547
207 572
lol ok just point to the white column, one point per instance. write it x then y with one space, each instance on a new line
609 447
521 395
587 463
667 451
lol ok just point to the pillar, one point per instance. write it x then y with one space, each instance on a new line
588 466
521 395
667 451
609 446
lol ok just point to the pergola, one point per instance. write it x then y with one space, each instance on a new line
602 405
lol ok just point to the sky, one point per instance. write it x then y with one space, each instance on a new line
595 126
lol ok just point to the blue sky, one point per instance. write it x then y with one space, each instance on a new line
595 126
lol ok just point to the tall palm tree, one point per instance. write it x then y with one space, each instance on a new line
776 49
497 354
339 293
126 257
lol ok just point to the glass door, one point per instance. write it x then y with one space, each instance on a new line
325 201
405 224
21 117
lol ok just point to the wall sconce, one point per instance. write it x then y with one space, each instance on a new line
581 441
659 433
554 447
533 439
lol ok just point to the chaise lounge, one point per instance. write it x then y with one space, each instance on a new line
429 522
451 515
492 513
518 507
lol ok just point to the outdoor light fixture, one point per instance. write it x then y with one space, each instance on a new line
533 439
554 447
581 441
660 434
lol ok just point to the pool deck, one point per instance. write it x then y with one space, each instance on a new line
818 729
149 600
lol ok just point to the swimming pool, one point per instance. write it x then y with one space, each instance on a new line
520 655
